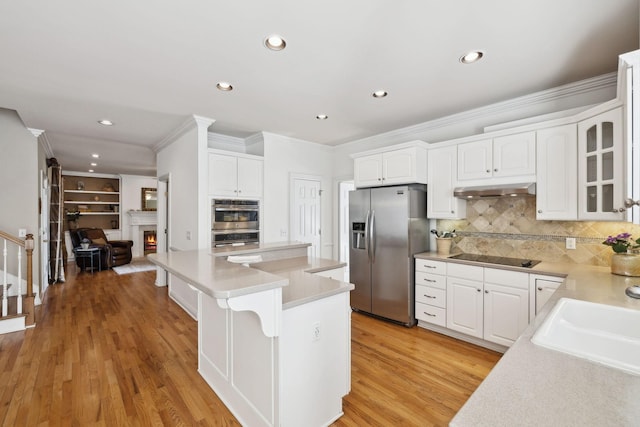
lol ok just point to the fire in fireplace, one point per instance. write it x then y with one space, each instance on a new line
149 242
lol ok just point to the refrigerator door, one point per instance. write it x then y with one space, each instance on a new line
359 247
392 290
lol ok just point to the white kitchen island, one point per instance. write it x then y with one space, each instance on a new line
273 338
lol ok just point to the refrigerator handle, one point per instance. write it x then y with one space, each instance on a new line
372 237
367 226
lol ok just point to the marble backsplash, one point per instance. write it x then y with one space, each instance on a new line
508 227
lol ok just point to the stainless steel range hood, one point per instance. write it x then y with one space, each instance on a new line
500 190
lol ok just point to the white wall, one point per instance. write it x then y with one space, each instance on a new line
20 191
284 156
130 198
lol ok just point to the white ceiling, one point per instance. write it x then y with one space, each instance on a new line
148 65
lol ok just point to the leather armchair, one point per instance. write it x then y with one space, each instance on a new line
112 253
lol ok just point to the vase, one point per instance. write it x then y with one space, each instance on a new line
626 264
443 245
84 246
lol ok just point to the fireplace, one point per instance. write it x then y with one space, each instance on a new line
142 222
149 239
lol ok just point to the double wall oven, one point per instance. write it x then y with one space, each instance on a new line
234 222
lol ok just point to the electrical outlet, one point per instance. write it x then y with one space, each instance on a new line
316 331
188 235
570 243
22 232
283 233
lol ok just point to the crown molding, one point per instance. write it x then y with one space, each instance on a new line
298 141
572 89
36 132
224 139
191 122
44 142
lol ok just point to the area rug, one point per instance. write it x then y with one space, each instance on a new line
135 266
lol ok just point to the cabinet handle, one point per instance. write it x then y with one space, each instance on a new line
239 191
429 314
488 170
539 210
452 212
428 266
479 290
379 179
429 296
539 288
429 280
495 170
486 292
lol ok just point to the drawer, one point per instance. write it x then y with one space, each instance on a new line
464 271
428 279
431 314
514 279
431 266
431 296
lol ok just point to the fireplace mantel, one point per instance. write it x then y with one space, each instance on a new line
143 217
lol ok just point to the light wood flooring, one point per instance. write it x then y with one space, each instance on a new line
112 350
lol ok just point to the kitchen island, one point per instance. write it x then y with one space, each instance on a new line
535 386
273 337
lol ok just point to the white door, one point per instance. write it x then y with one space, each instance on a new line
44 233
249 178
344 189
223 175
305 213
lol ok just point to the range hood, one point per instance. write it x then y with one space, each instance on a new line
498 190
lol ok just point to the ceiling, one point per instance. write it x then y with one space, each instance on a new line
149 65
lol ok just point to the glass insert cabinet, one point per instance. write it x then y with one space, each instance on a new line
600 167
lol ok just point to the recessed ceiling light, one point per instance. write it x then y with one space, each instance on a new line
380 94
94 164
106 122
471 57
95 156
322 117
275 42
90 170
224 86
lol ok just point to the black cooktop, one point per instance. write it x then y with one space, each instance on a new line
512 262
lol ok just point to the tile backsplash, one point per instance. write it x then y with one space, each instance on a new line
508 227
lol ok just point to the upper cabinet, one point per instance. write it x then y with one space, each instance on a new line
500 157
601 167
442 170
402 164
235 175
557 173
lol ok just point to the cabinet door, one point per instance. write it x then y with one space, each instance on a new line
544 290
442 170
464 306
514 155
399 167
600 167
475 160
506 313
367 171
557 173
223 175
249 177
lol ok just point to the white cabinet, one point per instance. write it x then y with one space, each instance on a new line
487 303
235 176
405 165
557 173
601 167
542 287
442 169
501 157
334 273
431 291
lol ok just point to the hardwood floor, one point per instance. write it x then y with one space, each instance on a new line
112 350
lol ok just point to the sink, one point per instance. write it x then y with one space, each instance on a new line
602 333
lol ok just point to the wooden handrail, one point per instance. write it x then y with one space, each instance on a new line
14 239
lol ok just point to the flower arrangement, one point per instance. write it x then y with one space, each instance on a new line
73 216
622 243
444 234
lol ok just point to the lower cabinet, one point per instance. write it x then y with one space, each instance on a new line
541 288
494 308
431 291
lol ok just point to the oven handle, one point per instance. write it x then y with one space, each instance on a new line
234 209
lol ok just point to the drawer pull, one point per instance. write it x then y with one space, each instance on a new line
429 266
428 280
429 296
429 314
539 288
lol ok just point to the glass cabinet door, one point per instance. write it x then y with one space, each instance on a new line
600 166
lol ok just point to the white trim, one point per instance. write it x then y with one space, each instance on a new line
219 138
292 178
90 174
36 132
43 140
325 147
583 86
190 123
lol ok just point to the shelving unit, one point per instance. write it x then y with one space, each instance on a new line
96 197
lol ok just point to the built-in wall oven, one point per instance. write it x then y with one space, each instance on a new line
234 222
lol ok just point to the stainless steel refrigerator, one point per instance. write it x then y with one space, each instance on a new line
388 226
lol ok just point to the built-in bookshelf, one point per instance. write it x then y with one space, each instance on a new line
91 200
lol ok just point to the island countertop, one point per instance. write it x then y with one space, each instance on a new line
535 386
219 278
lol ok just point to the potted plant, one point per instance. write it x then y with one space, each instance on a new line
444 239
84 243
625 260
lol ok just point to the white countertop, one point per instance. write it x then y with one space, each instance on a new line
221 279
257 247
535 386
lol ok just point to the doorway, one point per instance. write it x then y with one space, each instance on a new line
344 187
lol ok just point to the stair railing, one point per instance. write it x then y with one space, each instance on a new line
27 305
